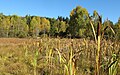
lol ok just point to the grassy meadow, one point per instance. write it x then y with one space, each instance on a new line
56 56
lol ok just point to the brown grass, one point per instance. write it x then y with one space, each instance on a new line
56 56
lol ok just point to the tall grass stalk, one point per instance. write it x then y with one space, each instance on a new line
93 29
97 72
71 63
35 58
98 58
98 47
50 59
35 61
66 70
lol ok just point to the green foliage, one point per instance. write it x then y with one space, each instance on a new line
78 25
45 25
79 18
117 29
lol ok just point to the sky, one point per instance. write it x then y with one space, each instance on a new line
53 8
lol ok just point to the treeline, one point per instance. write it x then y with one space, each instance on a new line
78 25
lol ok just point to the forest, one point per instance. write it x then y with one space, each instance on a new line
77 25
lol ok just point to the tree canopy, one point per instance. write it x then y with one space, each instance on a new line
76 25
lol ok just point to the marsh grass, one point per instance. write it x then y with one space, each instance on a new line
55 56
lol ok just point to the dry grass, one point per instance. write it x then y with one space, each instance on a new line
55 56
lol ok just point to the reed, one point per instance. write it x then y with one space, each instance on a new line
61 57
98 41
113 67
98 47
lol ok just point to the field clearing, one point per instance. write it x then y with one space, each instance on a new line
55 56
